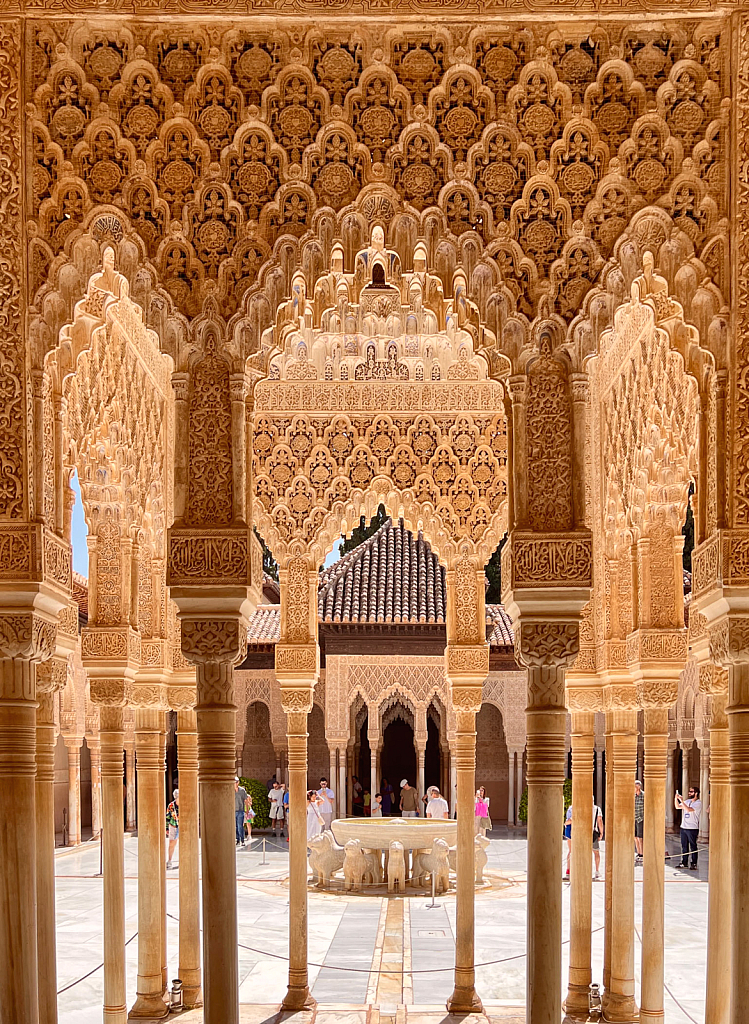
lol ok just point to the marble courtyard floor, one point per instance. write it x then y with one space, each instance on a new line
354 939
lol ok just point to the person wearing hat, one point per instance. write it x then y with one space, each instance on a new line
409 804
639 817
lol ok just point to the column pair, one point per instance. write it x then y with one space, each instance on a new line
581 887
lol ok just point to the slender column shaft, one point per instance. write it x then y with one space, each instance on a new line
686 757
609 855
162 845
18 934
45 858
654 852
95 752
342 796
511 788
619 997
332 779
670 776
189 882
464 998
738 733
298 994
599 778
74 793
704 792
581 886
719 872
420 761
112 734
149 1003
518 785
453 800
373 786
130 789
546 770
216 732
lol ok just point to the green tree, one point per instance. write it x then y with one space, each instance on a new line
523 809
493 570
260 801
362 532
270 565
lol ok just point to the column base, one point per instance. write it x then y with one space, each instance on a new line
192 997
298 998
577 1004
619 1009
464 1000
148 1008
115 1015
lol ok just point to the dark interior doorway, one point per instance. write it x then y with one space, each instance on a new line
398 759
432 761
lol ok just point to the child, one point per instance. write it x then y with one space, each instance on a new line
377 807
249 814
367 803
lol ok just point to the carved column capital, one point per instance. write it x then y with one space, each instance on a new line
27 635
52 675
297 700
110 692
547 644
584 699
213 640
657 693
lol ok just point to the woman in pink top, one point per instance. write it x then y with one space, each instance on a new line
483 822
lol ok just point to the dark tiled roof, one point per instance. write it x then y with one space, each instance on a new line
499 626
80 593
271 589
391 577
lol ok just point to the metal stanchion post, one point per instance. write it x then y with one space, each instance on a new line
433 905
263 850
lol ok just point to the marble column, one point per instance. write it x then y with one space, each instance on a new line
453 798
149 1003
131 821
619 997
95 752
511 789
73 744
45 857
581 886
332 779
162 843
420 768
546 649
704 793
599 778
464 998
189 880
298 994
519 787
653 861
738 739
717 999
608 856
686 760
670 788
112 735
342 794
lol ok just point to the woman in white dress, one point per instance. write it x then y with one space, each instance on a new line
315 822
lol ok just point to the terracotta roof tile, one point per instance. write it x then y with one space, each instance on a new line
265 625
499 626
391 577
80 593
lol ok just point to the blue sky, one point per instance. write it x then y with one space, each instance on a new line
79 531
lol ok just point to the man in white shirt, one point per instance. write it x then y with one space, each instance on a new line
326 807
437 806
691 809
275 796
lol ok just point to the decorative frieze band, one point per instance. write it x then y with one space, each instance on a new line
27 636
121 644
547 560
297 659
466 661
723 559
657 645
30 552
383 396
209 558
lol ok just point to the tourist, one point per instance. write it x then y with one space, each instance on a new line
597 837
326 807
387 797
249 815
568 838
172 827
481 811
240 795
357 799
427 797
437 806
269 783
690 825
639 818
315 823
409 802
285 802
377 806
367 803
276 807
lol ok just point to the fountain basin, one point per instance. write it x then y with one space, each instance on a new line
379 833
